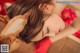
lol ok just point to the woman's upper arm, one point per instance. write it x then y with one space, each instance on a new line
58 7
76 5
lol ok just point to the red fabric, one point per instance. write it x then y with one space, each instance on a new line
5 1
68 15
77 34
43 45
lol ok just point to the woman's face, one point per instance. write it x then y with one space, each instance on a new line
52 25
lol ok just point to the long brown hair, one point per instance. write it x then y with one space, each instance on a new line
35 20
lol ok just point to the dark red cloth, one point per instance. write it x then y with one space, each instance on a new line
6 1
2 9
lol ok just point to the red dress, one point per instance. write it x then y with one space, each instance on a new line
43 45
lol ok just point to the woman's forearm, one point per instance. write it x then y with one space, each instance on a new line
76 23
77 12
64 33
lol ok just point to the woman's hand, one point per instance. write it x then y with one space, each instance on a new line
4 19
14 26
12 29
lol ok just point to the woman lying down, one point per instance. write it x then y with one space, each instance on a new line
37 20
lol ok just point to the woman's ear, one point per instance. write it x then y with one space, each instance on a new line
47 8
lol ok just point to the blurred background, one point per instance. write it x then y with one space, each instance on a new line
68 15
